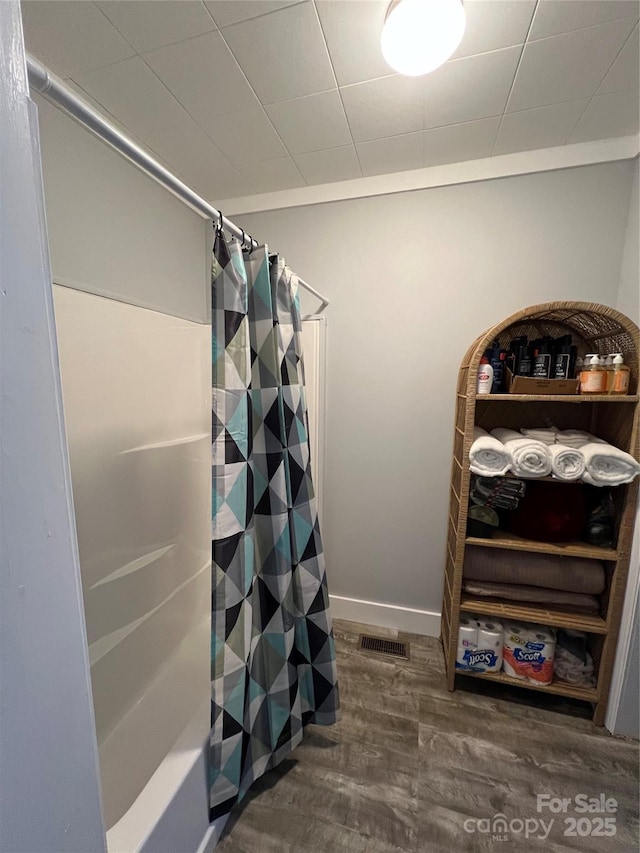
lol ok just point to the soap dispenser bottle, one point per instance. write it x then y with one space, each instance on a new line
593 377
619 377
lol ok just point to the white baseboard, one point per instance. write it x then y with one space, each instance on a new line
408 619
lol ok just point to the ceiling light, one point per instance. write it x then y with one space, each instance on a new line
420 35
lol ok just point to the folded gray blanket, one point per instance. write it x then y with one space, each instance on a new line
571 574
561 600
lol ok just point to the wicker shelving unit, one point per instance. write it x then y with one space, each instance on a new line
616 419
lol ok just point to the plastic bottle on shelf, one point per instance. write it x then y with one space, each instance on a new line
619 376
608 367
562 360
593 377
485 376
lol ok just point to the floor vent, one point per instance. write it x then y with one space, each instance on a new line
382 646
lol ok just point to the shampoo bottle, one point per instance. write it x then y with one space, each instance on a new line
485 376
562 357
542 358
497 359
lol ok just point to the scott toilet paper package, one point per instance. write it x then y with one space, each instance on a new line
488 657
529 651
467 641
479 644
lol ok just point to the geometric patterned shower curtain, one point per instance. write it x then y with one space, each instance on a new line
273 664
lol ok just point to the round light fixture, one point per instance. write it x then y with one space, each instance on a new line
420 35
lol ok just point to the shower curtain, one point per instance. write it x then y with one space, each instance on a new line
272 658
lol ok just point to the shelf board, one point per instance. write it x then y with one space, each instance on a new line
556 398
511 476
510 542
559 688
529 612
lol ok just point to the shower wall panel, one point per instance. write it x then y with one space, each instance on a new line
136 388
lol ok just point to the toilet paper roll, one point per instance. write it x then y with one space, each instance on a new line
490 625
515 636
488 657
467 642
543 643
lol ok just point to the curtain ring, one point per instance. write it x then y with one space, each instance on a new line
219 224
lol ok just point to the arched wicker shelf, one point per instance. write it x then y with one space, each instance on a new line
593 328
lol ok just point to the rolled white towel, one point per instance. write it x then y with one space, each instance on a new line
606 465
546 436
530 458
567 463
488 456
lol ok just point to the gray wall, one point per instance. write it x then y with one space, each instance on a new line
413 278
629 290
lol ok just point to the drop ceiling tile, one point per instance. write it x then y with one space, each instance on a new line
388 106
214 189
561 16
345 24
203 75
460 142
567 67
543 127
270 175
190 153
311 123
283 54
132 92
610 115
227 12
393 154
492 24
246 137
71 37
471 88
153 23
625 72
334 164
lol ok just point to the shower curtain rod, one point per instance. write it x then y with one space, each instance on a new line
53 89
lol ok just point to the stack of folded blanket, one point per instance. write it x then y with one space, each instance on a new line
566 583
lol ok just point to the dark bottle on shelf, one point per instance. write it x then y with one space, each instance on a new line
562 361
543 357
519 357
497 358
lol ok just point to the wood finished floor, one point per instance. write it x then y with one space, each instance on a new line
409 762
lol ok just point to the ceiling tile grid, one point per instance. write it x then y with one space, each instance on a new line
248 96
